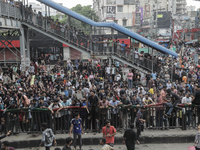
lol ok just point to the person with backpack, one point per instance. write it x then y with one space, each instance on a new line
47 137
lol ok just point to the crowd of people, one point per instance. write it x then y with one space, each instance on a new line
106 92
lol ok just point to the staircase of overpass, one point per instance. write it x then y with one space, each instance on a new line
15 18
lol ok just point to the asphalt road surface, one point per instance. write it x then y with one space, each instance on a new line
174 146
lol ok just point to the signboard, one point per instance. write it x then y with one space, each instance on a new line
111 2
137 18
129 2
164 19
111 12
159 16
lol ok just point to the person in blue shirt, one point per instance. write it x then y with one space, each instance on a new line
123 45
66 91
84 114
76 63
154 74
76 126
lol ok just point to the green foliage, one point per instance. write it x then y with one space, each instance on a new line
86 11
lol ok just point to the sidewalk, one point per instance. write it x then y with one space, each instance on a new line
24 140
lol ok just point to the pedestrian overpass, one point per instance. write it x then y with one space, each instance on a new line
15 18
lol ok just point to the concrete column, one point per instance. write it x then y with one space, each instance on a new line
66 53
24 48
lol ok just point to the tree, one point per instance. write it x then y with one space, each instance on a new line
86 11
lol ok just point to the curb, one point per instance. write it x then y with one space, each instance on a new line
118 141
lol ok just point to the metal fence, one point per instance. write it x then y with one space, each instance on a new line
10 11
26 120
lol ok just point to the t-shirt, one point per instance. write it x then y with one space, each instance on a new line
162 95
130 76
76 125
106 147
66 148
110 131
184 79
130 136
123 47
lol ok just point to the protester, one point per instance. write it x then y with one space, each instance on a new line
197 138
47 137
109 133
68 142
76 126
5 146
104 145
130 137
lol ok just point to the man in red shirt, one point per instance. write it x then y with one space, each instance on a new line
109 132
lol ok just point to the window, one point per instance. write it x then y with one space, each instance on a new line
116 21
124 22
119 8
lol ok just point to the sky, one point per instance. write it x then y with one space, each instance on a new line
72 3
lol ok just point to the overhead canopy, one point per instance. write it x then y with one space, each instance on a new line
107 24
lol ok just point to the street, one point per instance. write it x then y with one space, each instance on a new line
174 146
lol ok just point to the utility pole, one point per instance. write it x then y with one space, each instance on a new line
156 18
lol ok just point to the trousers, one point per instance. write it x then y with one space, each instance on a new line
79 138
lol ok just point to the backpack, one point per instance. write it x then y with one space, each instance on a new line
48 137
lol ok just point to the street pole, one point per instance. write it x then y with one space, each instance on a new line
156 18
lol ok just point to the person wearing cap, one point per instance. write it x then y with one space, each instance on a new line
109 133
76 126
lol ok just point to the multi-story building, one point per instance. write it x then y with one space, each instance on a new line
191 8
177 6
118 11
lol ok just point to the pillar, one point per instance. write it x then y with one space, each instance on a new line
24 48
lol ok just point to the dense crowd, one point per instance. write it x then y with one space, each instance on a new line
95 84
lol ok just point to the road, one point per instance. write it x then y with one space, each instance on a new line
174 146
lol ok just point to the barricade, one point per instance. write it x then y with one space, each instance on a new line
27 120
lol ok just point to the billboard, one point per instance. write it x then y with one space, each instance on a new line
111 2
129 2
163 18
111 12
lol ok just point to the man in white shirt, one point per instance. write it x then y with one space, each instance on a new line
105 45
62 74
187 100
108 70
62 29
68 83
136 53
118 77
68 63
